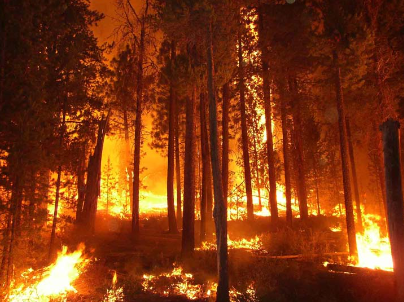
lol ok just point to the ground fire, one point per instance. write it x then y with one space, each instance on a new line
201 150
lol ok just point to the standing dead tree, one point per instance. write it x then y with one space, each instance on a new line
87 217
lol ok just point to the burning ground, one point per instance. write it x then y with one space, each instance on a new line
113 266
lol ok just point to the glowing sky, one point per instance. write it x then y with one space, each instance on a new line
155 175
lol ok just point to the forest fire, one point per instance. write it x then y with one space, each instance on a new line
52 283
142 127
114 294
254 244
374 249
179 283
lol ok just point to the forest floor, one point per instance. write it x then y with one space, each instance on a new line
155 252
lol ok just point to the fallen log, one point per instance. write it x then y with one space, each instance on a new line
347 269
303 255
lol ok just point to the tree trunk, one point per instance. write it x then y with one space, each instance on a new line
225 146
354 176
6 243
209 193
55 212
394 194
205 165
244 134
298 140
138 130
220 212
93 180
268 120
178 169
172 223
350 221
188 236
81 186
16 201
286 154
128 156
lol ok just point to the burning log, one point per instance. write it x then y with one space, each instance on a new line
348 269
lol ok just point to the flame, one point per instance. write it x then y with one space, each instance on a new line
374 249
180 283
254 244
336 229
54 281
114 294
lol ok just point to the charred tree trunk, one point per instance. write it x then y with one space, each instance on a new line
220 212
394 196
6 242
59 172
138 129
225 135
87 218
178 169
16 201
188 236
350 221
298 141
257 171
268 120
81 186
172 223
205 165
128 156
209 193
244 134
286 154
354 176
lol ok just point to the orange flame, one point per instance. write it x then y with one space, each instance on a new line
54 281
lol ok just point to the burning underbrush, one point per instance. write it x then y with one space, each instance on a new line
115 293
253 244
52 283
179 283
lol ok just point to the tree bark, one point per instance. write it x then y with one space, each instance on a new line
81 186
350 221
188 236
178 169
205 165
394 196
138 128
93 180
220 212
244 134
286 154
354 177
257 171
298 141
6 243
268 120
16 201
59 172
225 145
128 156
172 223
